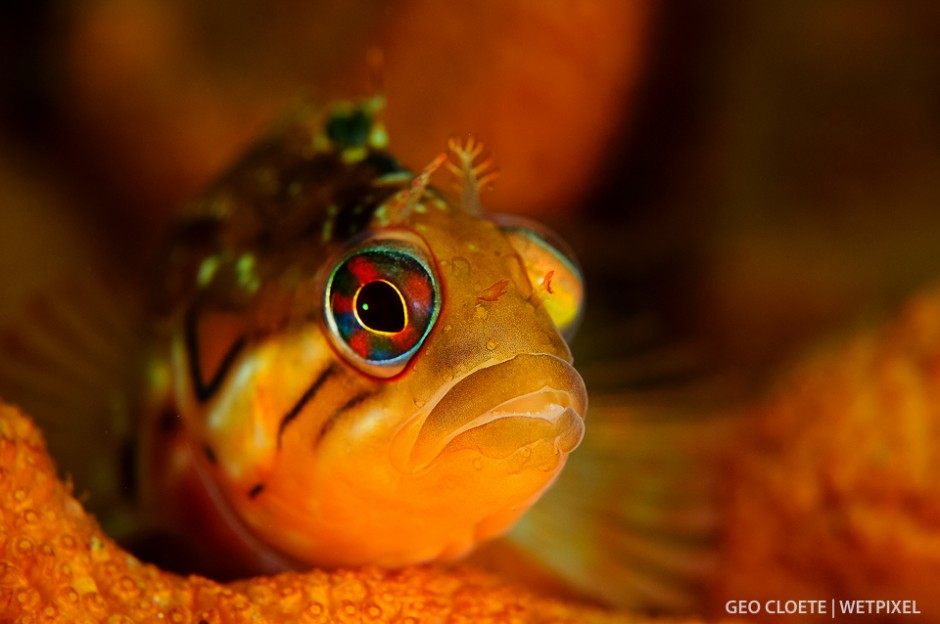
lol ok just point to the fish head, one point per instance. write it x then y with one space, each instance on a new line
480 404
392 396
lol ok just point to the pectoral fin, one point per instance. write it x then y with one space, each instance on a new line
70 359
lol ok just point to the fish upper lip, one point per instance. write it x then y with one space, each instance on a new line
542 387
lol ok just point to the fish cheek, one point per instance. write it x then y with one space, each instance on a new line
335 497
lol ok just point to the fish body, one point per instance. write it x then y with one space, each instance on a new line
349 367
341 365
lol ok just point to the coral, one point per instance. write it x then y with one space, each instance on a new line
57 566
834 492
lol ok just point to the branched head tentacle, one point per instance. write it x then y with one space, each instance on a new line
471 177
408 198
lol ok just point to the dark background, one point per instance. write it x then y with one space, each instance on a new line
762 173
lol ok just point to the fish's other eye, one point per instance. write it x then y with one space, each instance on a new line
381 302
551 267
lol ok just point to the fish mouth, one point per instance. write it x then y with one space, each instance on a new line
532 404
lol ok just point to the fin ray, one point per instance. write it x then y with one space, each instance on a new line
632 520
68 360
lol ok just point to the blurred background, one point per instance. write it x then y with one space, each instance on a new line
771 170
746 177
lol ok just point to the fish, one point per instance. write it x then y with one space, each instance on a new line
337 364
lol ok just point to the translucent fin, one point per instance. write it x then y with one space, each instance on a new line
632 520
69 360
640 354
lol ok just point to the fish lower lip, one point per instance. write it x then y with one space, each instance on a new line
500 409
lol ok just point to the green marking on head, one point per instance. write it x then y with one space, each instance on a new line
349 129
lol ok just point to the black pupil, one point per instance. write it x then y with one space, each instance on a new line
380 307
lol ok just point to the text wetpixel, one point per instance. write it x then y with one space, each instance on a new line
878 607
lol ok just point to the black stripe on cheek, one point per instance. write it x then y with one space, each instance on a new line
303 400
348 405
204 391
256 489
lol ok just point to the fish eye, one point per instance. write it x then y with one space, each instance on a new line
380 303
551 267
